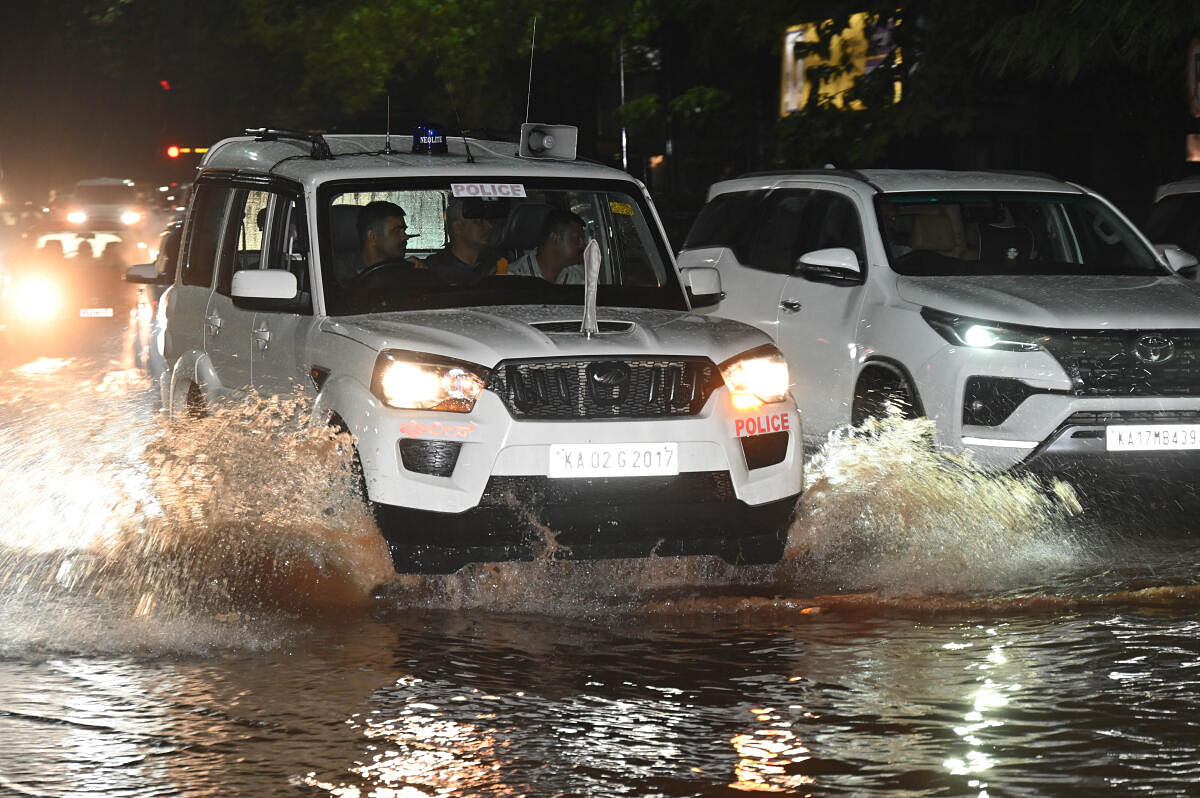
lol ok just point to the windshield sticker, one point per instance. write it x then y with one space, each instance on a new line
621 208
487 189
761 425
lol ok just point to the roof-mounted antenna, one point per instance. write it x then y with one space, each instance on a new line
532 47
458 120
387 135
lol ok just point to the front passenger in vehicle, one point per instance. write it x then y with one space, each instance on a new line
559 254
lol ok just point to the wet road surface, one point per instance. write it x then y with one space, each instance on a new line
197 609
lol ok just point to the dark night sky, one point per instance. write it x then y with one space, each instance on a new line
64 117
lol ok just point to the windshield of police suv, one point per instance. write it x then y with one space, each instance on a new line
994 232
490 242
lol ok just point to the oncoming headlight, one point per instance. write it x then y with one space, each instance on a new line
416 381
76 217
35 298
130 217
963 331
757 377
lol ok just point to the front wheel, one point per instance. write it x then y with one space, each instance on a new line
883 394
765 549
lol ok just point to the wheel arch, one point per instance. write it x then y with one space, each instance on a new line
889 371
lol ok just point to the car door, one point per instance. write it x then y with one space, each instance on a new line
757 231
185 328
820 318
228 328
279 365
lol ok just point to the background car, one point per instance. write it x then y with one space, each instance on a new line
64 290
108 203
1023 314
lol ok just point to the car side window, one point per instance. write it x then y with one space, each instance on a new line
287 244
204 233
168 253
775 230
248 223
289 238
726 221
1174 221
831 220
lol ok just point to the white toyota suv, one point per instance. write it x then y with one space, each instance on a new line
487 409
1023 314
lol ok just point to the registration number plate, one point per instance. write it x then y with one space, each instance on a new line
613 459
1152 437
95 313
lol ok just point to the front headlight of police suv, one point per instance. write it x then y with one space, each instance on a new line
418 381
964 331
757 377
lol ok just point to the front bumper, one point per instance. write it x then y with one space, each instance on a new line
1052 428
525 518
479 480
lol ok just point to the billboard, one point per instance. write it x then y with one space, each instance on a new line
860 49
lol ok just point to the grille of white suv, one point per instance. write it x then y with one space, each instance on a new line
1130 362
605 388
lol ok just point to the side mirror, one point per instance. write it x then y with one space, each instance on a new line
833 265
703 284
267 289
1177 259
146 274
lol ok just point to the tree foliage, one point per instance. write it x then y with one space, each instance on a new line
981 83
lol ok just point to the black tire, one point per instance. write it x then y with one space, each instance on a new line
195 406
766 549
879 390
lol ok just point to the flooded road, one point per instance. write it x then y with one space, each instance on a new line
203 608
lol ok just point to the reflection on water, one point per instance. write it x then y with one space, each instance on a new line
191 607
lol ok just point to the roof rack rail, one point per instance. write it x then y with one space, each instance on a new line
320 148
852 173
1026 173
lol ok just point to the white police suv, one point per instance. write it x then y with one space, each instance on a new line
1023 314
487 406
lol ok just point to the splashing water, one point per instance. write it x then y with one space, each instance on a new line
126 530
886 510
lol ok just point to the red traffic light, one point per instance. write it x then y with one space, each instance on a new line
173 151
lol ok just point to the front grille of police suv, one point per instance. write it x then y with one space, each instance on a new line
1130 362
584 388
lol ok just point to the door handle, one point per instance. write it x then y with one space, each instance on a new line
214 323
790 305
261 336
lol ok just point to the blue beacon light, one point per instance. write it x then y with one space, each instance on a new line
429 139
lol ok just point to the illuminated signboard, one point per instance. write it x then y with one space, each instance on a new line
863 49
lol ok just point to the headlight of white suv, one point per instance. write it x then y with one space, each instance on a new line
416 381
963 331
757 377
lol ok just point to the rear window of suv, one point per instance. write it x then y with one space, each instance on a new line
1010 233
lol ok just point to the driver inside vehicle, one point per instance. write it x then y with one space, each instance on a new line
383 237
